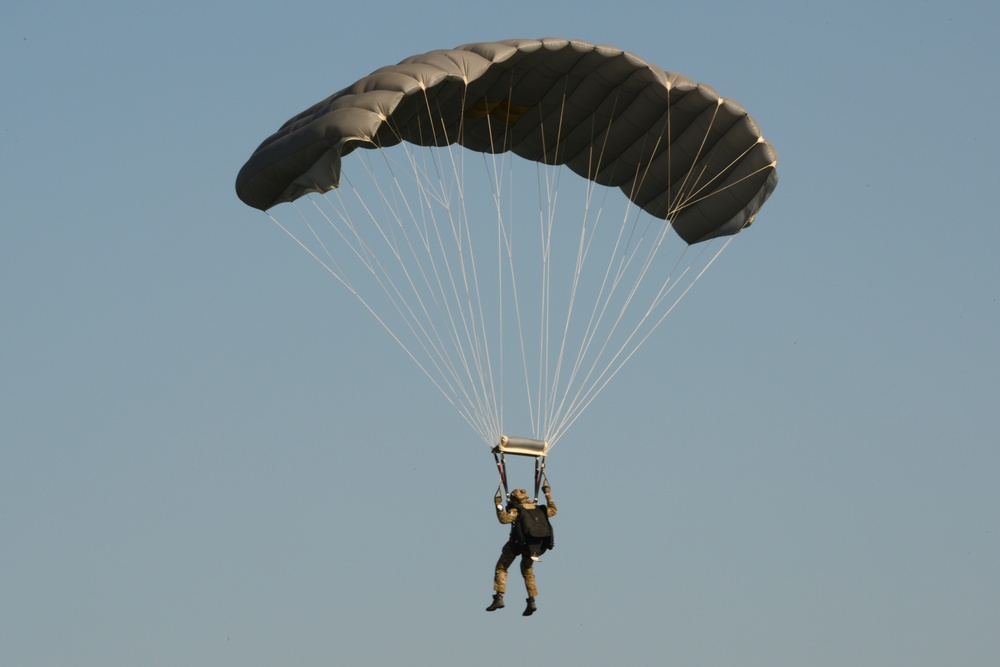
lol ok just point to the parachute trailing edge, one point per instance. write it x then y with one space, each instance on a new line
673 147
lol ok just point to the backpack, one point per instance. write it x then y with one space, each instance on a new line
531 534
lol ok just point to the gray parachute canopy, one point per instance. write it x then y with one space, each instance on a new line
674 147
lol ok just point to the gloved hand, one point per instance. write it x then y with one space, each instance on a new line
546 489
497 500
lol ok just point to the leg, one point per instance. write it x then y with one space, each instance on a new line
507 556
500 577
529 583
529 575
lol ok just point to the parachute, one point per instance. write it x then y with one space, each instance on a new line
506 276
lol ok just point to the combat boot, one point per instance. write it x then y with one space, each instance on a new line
531 608
497 602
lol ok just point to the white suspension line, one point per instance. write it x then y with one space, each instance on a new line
578 410
582 252
399 302
598 384
548 378
431 196
439 350
459 231
334 273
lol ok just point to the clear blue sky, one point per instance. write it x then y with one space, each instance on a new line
210 456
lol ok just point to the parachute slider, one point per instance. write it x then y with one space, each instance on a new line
521 446
537 449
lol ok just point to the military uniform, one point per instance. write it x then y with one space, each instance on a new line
519 500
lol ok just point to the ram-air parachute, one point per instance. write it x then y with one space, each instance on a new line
483 225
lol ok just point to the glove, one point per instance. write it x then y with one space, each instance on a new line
546 490
496 500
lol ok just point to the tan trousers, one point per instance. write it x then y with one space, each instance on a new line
507 557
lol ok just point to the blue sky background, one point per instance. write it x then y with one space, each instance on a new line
210 456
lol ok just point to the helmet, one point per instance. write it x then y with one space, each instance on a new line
519 496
